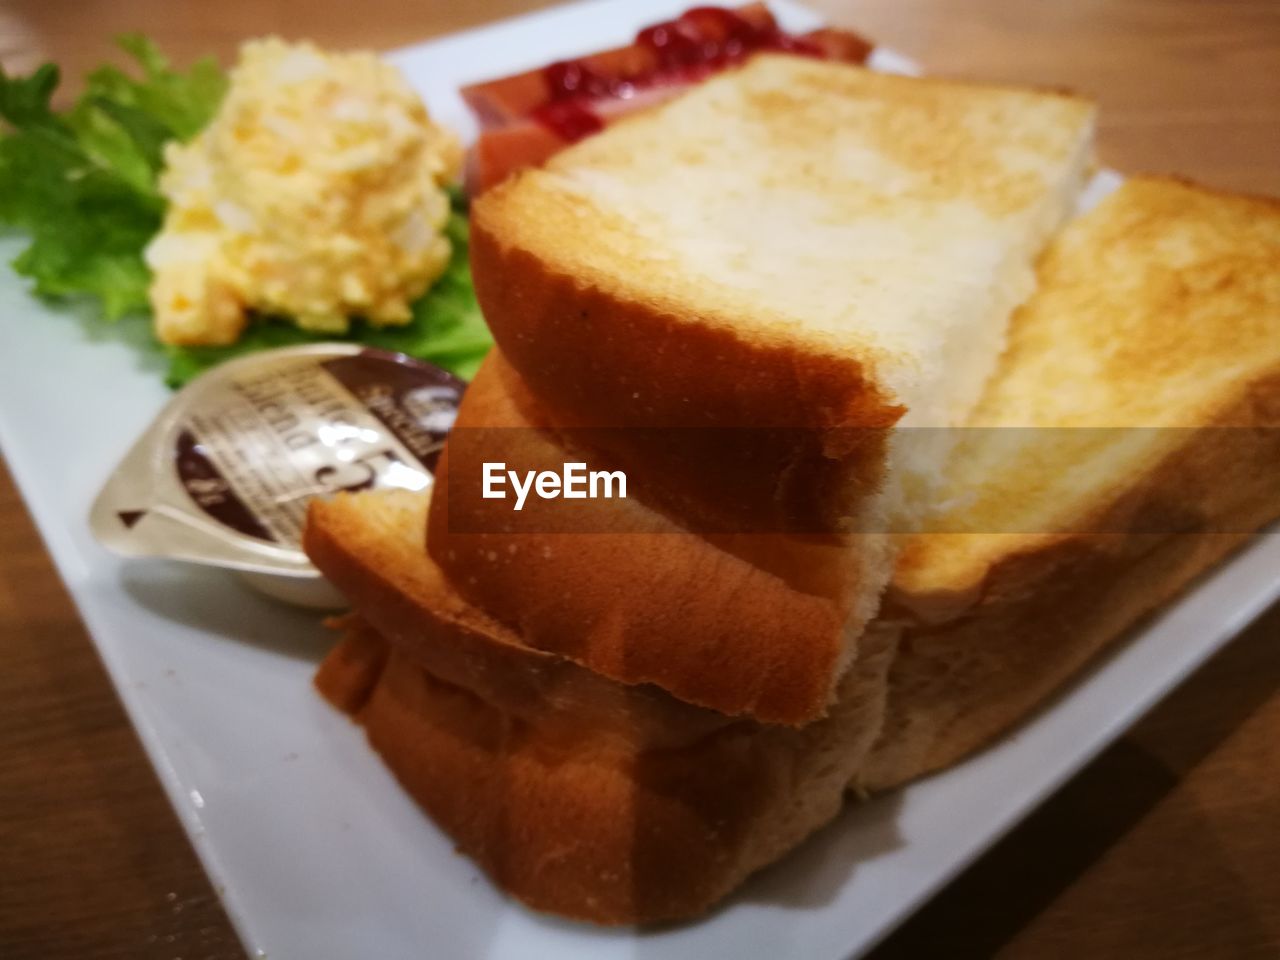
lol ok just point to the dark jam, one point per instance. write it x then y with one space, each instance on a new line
705 39
699 42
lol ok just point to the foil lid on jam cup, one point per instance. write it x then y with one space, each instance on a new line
224 474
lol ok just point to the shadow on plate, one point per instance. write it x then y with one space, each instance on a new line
216 602
133 330
812 875
807 878
1129 907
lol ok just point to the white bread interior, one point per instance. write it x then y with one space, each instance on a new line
892 219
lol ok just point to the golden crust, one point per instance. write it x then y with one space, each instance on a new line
956 687
583 797
959 133
974 661
370 547
1175 325
617 299
747 258
811 419
754 625
620 804
1158 317
597 833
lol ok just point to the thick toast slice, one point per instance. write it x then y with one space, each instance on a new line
761 625
1130 440
618 803
730 285
578 795
795 245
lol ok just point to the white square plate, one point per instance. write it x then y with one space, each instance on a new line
317 853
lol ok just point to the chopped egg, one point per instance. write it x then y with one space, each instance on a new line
315 194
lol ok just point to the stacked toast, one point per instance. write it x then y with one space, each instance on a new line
906 445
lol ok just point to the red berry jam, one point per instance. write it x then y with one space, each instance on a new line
570 119
699 42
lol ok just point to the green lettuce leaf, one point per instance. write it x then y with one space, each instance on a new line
181 103
82 184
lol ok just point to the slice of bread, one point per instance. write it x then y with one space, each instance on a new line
797 245
761 625
618 803
1130 440
592 799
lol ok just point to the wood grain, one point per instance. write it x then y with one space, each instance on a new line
1165 847
93 862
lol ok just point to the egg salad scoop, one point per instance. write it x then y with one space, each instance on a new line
315 194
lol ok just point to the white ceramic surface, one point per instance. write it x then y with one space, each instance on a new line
314 849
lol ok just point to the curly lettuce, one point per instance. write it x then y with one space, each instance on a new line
82 185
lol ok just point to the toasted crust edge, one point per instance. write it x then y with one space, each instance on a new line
387 575
596 821
595 358
972 666
617 587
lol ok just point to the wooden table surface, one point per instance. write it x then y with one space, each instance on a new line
1167 846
